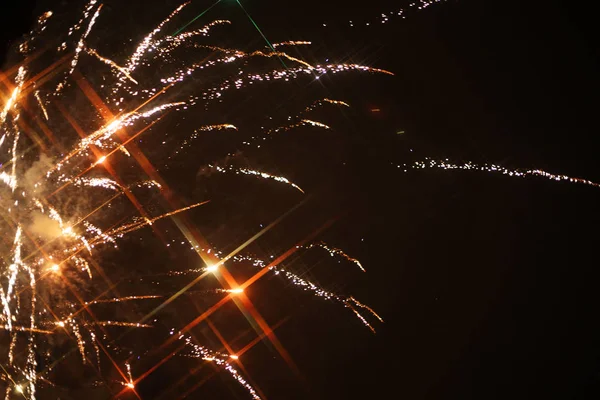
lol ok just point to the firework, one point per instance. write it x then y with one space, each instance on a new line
59 194
399 13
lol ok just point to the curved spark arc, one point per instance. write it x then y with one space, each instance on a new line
259 174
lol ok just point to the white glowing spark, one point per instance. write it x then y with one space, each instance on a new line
212 268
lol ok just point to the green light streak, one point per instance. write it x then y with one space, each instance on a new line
194 20
259 31
245 12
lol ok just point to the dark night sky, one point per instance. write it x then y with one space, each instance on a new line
488 284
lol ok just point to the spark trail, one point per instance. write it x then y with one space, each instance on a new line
495 169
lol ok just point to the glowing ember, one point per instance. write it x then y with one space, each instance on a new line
212 268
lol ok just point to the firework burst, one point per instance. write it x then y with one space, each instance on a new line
72 116
65 200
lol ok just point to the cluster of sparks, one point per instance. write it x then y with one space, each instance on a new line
395 14
51 248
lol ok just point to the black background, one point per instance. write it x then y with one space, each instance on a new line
488 284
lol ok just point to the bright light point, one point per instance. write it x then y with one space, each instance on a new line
212 268
19 388
55 268
238 290
234 356
61 324
101 160
130 385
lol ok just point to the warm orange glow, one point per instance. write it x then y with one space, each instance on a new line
212 268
